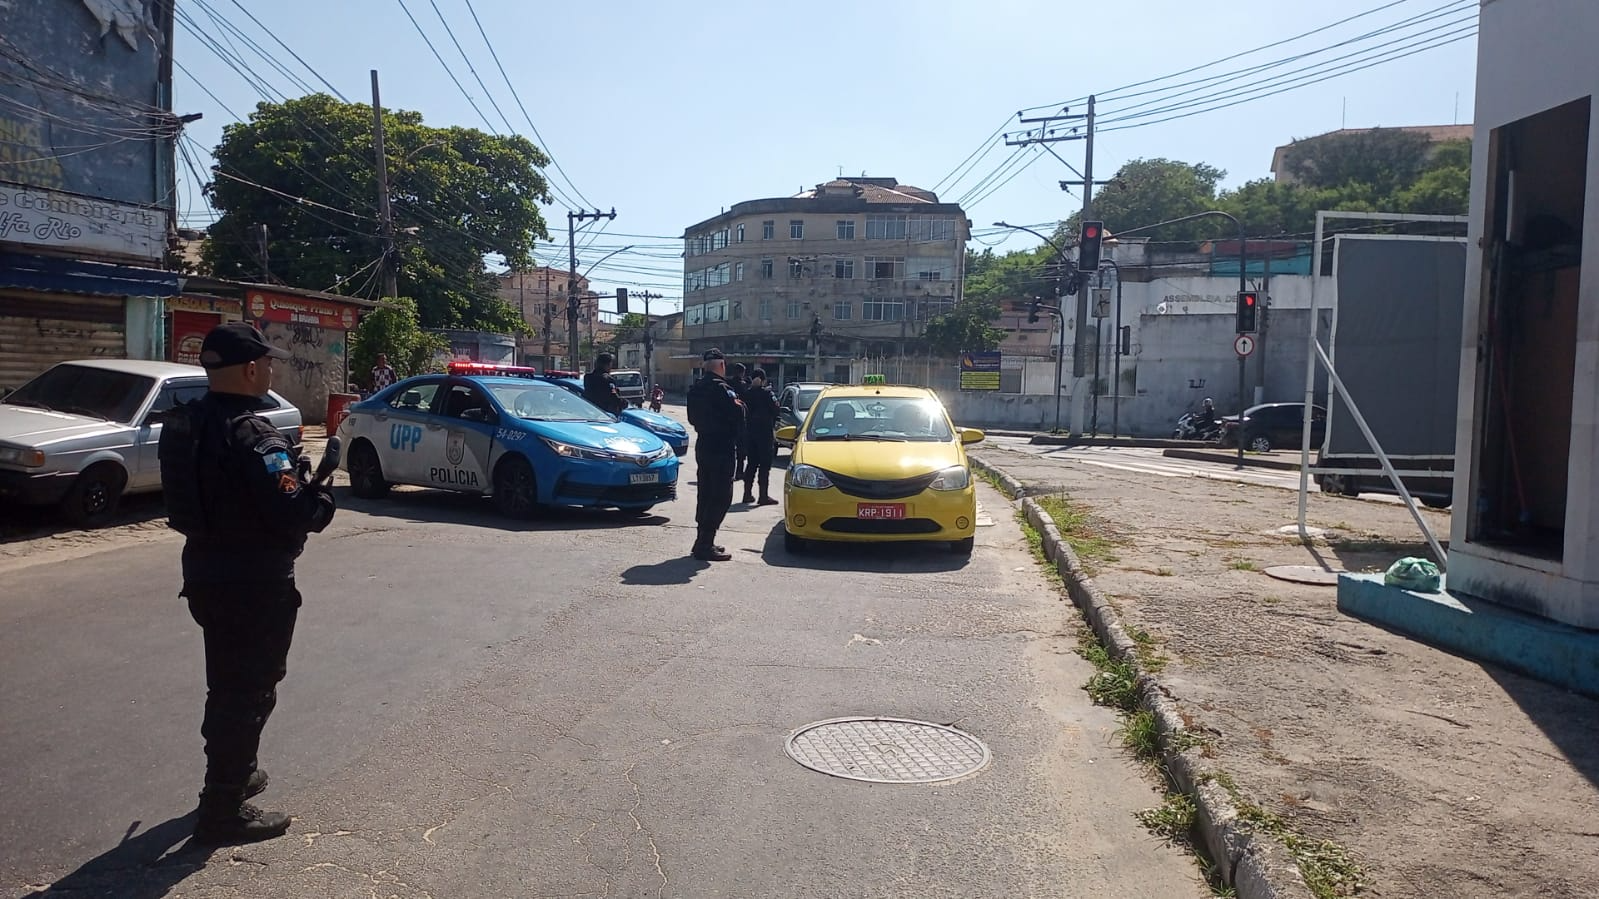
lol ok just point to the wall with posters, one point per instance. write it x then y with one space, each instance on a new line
189 318
315 333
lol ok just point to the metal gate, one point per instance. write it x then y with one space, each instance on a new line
38 330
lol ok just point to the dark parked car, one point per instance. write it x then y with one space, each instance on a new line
795 403
1273 426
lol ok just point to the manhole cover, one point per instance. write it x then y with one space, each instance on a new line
887 750
1305 574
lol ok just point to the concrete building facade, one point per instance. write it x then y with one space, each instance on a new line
804 284
540 291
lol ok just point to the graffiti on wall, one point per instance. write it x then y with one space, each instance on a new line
314 369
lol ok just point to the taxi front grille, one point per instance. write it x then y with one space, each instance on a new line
900 489
881 526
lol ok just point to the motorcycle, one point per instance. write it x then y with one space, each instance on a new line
656 398
1197 426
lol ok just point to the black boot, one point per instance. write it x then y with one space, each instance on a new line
706 550
749 495
225 818
257 783
766 500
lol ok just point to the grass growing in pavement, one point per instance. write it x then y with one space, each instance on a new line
1327 867
1172 819
1087 540
1242 565
994 482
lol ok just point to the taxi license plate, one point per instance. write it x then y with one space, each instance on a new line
880 510
645 477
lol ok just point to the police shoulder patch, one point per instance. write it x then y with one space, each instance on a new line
276 461
288 483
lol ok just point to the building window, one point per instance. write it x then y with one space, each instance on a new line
846 229
841 311
738 271
740 233
763 309
795 309
844 268
885 268
879 310
796 268
796 229
738 308
766 267
925 229
886 227
768 229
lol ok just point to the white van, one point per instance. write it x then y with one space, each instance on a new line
630 384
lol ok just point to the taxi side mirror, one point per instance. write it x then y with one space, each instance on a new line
788 433
971 435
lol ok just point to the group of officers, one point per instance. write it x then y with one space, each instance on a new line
245 502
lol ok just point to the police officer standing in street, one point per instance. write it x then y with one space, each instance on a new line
600 389
234 489
717 414
760 409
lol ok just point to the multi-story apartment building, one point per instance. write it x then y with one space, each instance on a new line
802 285
536 290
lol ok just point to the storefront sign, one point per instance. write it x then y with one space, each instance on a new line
230 309
48 218
980 371
188 332
267 306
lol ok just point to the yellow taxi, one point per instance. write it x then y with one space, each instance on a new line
876 463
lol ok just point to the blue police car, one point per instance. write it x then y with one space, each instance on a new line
525 443
668 429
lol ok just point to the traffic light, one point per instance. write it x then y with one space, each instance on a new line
1248 312
1032 312
621 301
1088 250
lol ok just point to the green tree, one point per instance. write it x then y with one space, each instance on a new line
394 329
1146 191
305 169
966 328
629 328
1387 160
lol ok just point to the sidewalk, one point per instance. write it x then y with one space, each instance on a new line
1440 776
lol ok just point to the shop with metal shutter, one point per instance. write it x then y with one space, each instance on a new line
37 330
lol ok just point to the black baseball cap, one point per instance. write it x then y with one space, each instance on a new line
736 368
236 343
713 354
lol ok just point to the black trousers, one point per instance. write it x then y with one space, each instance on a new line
761 450
248 629
715 467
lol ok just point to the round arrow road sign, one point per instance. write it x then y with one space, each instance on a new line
1244 345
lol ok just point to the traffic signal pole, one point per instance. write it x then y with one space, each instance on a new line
571 278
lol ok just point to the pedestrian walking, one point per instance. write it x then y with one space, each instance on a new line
245 505
760 441
383 374
740 383
717 414
600 389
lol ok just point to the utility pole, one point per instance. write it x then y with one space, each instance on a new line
266 269
1046 135
391 286
649 341
1265 324
571 275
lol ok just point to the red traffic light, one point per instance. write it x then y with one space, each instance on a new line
1091 232
1249 299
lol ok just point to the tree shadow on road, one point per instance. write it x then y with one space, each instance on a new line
140 867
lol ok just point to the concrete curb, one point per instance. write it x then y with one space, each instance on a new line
1230 458
1138 442
1257 866
1015 488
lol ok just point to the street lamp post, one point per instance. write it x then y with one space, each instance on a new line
1243 285
1060 350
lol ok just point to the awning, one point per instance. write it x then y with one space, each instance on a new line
51 275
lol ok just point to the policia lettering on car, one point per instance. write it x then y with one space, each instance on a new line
454 477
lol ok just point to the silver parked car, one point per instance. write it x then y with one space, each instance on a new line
84 433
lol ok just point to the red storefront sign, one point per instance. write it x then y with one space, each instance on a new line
188 332
267 306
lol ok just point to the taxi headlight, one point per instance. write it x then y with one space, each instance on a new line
808 477
27 457
957 477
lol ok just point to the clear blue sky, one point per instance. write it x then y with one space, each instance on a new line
671 112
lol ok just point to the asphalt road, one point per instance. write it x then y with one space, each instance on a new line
568 706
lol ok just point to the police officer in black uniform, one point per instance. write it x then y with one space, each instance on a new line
760 410
235 490
717 414
739 383
600 389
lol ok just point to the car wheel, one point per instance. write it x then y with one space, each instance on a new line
516 489
94 496
366 472
1260 444
1437 502
963 547
794 543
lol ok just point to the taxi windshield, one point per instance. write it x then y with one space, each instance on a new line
539 402
884 418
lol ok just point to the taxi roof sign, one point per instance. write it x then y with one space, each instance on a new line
875 379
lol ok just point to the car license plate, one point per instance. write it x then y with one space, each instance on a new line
645 477
880 510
